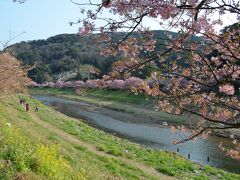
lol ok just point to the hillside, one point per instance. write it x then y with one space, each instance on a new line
58 54
68 55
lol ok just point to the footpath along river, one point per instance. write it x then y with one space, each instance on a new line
147 134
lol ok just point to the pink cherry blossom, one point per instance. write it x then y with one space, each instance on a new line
227 89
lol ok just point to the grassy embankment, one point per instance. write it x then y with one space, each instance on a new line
48 144
125 101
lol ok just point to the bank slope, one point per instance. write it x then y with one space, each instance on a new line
82 150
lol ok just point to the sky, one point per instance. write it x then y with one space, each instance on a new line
40 19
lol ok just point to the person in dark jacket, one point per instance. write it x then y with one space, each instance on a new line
36 108
27 107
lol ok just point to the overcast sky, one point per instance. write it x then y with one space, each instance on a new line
41 19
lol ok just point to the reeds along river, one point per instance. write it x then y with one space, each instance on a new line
149 134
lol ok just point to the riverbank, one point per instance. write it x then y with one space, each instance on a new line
139 105
96 154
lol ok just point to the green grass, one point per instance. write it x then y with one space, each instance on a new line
168 163
50 155
83 161
21 157
119 96
106 94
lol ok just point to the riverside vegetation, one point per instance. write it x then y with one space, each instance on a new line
87 152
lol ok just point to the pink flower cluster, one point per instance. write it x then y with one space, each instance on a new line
132 82
227 89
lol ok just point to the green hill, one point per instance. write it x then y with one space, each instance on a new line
67 53
58 54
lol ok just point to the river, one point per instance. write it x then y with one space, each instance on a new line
147 134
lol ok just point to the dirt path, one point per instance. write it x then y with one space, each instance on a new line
91 147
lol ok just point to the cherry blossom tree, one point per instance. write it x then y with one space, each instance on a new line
79 84
34 84
117 84
202 74
68 84
135 84
50 84
92 83
59 84
13 77
107 84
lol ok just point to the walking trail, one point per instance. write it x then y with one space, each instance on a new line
92 148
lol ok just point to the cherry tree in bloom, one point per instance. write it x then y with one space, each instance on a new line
128 84
106 84
117 84
67 84
227 89
79 84
34 84
92 83
13 77
58 84
202 74
135 83
80 88
48 84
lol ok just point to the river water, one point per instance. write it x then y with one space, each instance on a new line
148 134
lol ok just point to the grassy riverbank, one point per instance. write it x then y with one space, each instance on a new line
46 132
48 144
124 101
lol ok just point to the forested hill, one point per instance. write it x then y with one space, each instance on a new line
64 56
58 54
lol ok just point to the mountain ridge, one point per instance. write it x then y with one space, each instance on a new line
67 54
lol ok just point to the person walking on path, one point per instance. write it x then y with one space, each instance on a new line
36 108
24 102
27 107
20 100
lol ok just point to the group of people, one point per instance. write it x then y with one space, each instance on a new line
27 106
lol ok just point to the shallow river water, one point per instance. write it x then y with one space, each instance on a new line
148 134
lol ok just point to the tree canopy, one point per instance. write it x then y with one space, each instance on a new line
206 84
13 77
